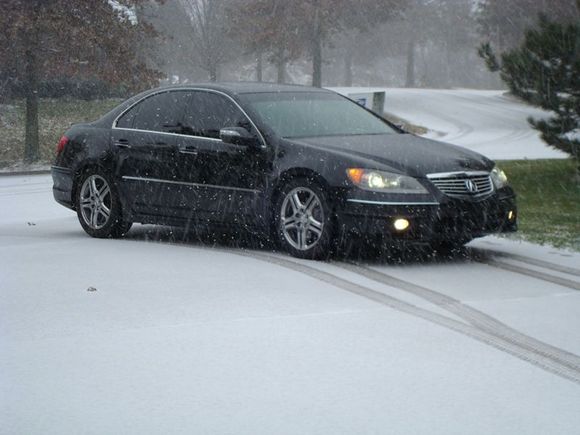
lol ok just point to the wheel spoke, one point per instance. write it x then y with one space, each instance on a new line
289 223
104 191
301 237
315 226
305 237
94 217
310 203
105 211
93 186
295 202
86 202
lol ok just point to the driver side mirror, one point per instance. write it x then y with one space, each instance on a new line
238 136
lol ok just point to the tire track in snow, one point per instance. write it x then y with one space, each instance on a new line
563 282
471 315
24 192
47 184
558 361
527 260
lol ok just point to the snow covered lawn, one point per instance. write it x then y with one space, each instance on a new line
142 336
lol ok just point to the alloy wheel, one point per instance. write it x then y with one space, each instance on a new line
96 202
302 218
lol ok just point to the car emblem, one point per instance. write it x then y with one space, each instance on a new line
470 186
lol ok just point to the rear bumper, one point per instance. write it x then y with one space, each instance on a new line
62 186
450 220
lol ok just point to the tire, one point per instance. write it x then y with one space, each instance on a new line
302 220
98 206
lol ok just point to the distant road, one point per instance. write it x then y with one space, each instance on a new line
488 122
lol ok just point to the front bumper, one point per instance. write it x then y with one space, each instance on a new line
448 220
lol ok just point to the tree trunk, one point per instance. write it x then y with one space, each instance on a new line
213 73
317 64
31 139
577 160
410 82
259 67
424 77
281 66
317 52
348 55
450 71
576 147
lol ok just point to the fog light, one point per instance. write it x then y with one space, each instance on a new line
511 215
401 224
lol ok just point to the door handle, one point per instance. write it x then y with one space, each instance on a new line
188 149
122 143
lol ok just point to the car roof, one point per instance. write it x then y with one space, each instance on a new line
236 88
230 88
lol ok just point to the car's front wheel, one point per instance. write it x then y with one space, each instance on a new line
98 206
303 220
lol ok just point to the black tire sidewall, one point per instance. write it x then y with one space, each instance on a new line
322 249
116 226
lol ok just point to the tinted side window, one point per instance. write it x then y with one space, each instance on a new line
128 118
162 112
208 113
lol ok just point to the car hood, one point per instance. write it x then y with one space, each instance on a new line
406 153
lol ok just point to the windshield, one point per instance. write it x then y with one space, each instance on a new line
302 114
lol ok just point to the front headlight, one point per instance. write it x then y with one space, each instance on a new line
380 181
499 178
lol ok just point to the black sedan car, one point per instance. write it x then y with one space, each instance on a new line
306 165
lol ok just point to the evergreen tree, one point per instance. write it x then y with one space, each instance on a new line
545 71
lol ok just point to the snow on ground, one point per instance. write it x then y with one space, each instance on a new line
489 122
191 339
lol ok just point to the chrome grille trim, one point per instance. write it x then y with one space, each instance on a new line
463 184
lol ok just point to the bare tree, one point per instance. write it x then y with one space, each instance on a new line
209 33
43 40
504 23
271 30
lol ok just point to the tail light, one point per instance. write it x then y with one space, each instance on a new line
61 144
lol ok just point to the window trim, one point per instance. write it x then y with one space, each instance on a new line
161 91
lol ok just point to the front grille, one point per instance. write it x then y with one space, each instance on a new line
463 184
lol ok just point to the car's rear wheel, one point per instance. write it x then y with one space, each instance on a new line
303 221
98 206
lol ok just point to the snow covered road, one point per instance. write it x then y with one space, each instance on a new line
147 335
489 122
